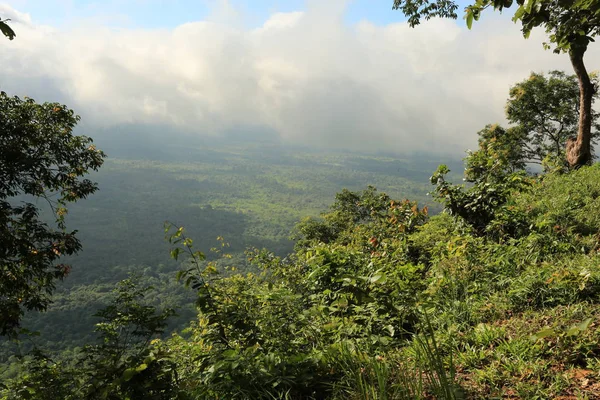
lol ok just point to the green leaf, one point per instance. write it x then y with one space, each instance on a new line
585 324
141 367
529 6
330 326
149 359
542 334
229 354
341 302
519 14
175 253
578 328
128 374
469 18
573 331
378 278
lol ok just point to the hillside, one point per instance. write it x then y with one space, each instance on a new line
381 300
251 194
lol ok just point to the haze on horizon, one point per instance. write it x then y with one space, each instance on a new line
315 73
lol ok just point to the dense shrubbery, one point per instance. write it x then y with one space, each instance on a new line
382 301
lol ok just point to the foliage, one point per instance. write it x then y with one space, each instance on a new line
546 109
40 158
501 153
419 371
417 9
125 364
497 298
42 379
349 210
484 207
545 114
254 328
569 24
503 295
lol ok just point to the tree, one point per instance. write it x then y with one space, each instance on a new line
501 152
544 113
348 210
7 30
495 171
125 363
571 25
41 159
546 108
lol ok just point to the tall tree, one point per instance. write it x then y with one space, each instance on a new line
40 158
546 109
571 25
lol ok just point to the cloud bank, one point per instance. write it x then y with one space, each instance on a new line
305 75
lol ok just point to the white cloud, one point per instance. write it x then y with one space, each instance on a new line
306 75
7 12
281 21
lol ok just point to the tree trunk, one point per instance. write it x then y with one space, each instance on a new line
579 149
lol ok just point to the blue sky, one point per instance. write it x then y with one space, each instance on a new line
150 14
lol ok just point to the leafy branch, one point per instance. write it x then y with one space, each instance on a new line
196 277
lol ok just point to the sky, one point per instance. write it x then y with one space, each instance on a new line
337 73
152 14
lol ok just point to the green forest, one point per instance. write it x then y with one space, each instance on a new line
143 267
237 193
